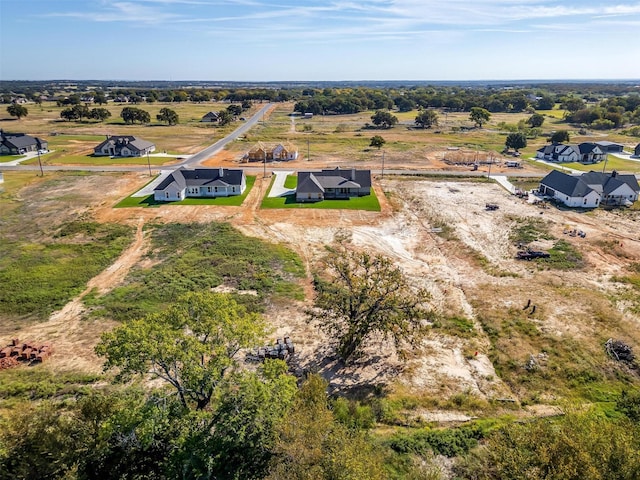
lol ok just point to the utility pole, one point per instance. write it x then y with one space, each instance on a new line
606 157
149 162
264 163
382 173
308 150
40 163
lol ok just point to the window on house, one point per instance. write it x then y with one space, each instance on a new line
585 201
208 189
216 189
166 194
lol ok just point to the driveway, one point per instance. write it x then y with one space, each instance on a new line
278 189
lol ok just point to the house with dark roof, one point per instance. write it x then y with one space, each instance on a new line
586 152
333 184
591 189
636 151
201 183
610 147
211 117
19 143
124 146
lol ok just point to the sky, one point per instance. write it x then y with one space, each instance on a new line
315 40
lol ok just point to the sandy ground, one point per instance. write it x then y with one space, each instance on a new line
442 365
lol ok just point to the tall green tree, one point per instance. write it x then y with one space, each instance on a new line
427 119
479 116
366 295
384 119
191 345
17 110
560 136
516 141
168 115
377 141
100 114
535 120
134 114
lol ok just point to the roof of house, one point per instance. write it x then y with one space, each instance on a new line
19 140
588 147
211 115
312 182
199 177
125 140
610 181
607 143
580 186
570 185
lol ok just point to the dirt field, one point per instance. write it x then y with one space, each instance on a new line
459 283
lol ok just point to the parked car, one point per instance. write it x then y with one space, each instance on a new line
42 151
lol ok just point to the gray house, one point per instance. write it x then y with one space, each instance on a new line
610 147
19 143
333 184
124 146
201 183
586 152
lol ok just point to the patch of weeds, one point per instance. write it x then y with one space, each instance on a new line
455 326
528 230
36 383
563 256
450 442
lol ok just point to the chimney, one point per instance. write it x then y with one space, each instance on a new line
614 174
221 172
353 173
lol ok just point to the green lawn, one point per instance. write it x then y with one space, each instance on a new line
291 181
369 202
148 201
613 163
10 158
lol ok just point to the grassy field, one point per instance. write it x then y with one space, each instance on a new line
149 201
79 138
612 163
192 257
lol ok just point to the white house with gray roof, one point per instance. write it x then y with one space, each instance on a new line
591 189
124 146
333 184
586 152
200 183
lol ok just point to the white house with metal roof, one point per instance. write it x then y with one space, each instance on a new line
200 182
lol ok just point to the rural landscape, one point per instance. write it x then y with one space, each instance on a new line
384 280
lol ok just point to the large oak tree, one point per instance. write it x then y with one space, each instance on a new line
366 295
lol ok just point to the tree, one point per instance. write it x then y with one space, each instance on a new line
99 114
246 104
168 115
17 110
239 439
479 116
366 295
77 112
190 345
133 114
516 141
404 104
384 119
560 136
377 141
427 119
313 445
225 117
535 120
573 104
68 114
234 109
